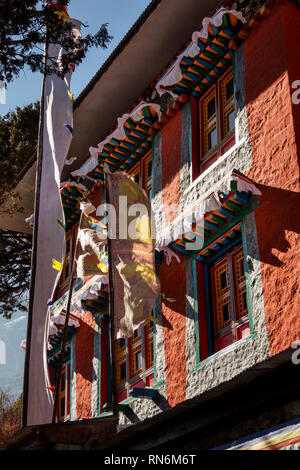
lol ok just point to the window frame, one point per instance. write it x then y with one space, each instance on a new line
141 169
202 159
65 393
204 311
229 254
145 345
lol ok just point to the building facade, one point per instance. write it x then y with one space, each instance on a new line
220 163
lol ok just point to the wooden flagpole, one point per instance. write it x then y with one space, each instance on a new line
34 240
114 394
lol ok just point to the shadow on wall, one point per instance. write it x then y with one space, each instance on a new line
160 401
173 284
85 351
278 222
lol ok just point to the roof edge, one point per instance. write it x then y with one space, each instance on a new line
134 28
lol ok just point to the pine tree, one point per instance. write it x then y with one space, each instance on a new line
15 260
24 27
18 143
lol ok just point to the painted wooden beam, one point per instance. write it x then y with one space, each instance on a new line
121 407
136 392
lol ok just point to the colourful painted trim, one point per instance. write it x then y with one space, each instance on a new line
275 438
247 277
129 400
214 55
55 341
213 225
70 195
60 301
124 154
195 288
208 307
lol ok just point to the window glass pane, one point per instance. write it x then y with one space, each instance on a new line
229 90
123 371
122 342
231 120
137 333
225 313
212 138
211 108
223 280
138 360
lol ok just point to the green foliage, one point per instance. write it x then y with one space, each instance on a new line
15 260
24 27
10 416
18 142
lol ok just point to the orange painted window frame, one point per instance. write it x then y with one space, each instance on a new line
203 155
142 172
126 350
234 295
63 412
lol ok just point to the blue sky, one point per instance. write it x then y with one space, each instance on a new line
118 13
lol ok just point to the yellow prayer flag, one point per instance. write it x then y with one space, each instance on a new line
70 96
144 229
56 265
102 268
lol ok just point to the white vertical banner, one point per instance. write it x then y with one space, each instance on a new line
50 244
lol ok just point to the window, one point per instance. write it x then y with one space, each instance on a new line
134 358
147 173
64 393
142 172
229 299
213 123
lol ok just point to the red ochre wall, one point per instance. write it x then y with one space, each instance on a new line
173 277
271 63
84 365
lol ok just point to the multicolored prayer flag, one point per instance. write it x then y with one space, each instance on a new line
135 284
91 252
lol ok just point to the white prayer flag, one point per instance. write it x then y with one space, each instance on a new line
57 136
